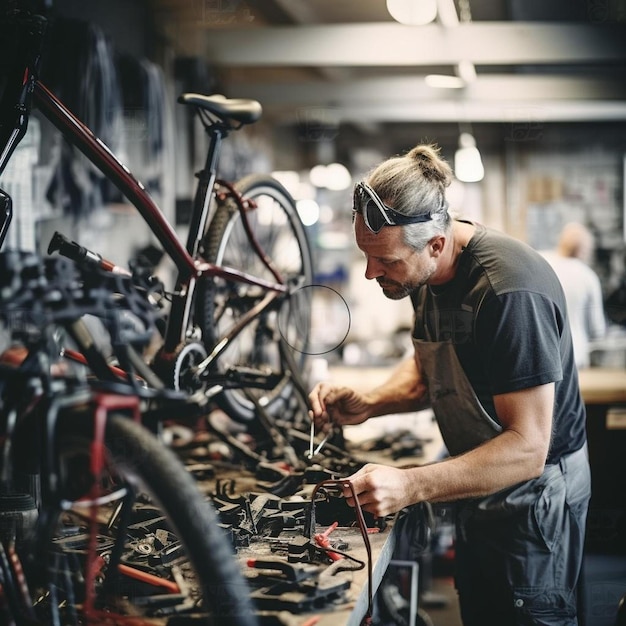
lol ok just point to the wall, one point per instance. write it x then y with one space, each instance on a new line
107 224
537 182
538 175
537 178
127 22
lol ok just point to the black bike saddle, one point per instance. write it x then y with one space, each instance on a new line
232 109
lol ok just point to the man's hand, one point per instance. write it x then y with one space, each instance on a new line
337 405
382 490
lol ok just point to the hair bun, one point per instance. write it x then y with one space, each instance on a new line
432 166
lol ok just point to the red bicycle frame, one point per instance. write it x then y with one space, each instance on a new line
189 269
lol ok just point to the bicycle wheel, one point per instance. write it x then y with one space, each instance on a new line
275 223
149 517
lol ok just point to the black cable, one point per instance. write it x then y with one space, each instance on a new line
340 484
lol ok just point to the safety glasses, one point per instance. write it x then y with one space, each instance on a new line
376 213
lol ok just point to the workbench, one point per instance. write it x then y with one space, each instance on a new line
603 391
354 609
348 607
601 386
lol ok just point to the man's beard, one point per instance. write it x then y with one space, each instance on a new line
397 291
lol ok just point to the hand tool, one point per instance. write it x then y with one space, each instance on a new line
320 445
321 539
322 442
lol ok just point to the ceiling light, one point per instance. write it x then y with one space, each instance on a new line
309 211
413 12
468 165
333 176
289 179
317 175
465 74
339 177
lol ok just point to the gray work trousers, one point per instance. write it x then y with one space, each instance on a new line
519 552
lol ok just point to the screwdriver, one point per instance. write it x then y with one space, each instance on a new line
312 437
320 445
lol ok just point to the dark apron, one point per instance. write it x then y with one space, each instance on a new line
463 422
518 552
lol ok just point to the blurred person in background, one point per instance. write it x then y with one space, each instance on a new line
571 261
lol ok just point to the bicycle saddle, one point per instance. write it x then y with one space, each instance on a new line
236 109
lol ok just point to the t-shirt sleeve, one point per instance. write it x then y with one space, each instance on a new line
521 332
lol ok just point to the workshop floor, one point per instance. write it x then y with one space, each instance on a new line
441 604
604 584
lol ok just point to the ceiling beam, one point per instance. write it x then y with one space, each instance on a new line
388 90
491 98
529 114
302 13
388 44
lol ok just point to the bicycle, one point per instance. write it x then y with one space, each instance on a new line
227 319
240 306
100 523
121 534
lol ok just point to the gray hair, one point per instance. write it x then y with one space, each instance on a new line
414 184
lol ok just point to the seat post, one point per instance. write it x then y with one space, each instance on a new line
206 180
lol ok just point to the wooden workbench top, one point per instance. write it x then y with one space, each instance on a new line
599 385
351 610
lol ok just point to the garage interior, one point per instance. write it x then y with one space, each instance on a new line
537 86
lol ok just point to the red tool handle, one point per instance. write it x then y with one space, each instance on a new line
321 539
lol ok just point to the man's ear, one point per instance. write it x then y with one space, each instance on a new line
436 245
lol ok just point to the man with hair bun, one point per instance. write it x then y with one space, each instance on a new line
493 358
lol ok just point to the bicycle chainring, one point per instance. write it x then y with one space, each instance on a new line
179 370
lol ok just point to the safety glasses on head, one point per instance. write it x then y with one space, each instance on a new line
376 214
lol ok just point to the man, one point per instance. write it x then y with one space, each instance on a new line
494 359
583 292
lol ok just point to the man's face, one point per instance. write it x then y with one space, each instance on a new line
397 268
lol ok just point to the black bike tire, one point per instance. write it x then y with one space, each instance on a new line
215 243
137 452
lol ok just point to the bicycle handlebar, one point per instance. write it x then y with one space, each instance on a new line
74 251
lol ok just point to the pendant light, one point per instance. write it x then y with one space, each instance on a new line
413 12
468 164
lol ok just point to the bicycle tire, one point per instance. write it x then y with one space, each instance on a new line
136 457
281 234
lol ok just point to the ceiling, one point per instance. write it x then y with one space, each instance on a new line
349 62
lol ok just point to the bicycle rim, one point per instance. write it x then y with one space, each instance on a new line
173 561
281 235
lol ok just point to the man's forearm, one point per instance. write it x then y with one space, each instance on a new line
403 391
501 462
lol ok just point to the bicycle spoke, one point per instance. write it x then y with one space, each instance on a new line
278 230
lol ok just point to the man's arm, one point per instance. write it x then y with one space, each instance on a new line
517 454
403 391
